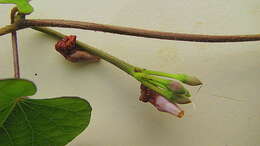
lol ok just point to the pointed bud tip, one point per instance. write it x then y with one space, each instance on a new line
193 81
183 100
181 114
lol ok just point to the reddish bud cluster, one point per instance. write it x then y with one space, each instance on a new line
67 47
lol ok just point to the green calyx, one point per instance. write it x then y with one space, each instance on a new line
23 5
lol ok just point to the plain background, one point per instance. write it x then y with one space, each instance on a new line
227 106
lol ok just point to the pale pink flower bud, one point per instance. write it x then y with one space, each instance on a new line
164 105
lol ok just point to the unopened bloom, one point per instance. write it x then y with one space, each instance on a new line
176 87
158 101
191 80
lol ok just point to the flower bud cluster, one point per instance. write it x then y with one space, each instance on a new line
163 93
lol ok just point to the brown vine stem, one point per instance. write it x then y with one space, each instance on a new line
139 32
128 31
15 46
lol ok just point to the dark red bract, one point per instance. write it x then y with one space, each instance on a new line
146 94
67 45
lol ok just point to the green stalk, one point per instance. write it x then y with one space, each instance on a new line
128 68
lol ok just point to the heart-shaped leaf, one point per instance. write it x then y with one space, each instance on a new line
39 122
23 5
10 91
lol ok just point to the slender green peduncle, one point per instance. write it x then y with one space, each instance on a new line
128 68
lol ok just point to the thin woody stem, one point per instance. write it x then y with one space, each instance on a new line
127 31
138 32
15 55
15 46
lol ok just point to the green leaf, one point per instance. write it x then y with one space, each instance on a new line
10 91
23 5
40 122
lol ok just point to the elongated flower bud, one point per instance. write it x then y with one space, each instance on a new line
191 80
164 105
80 56
158 101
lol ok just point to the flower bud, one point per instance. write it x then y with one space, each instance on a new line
176 87
180 94
79 56
158 101
164 105
182 99
191 80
